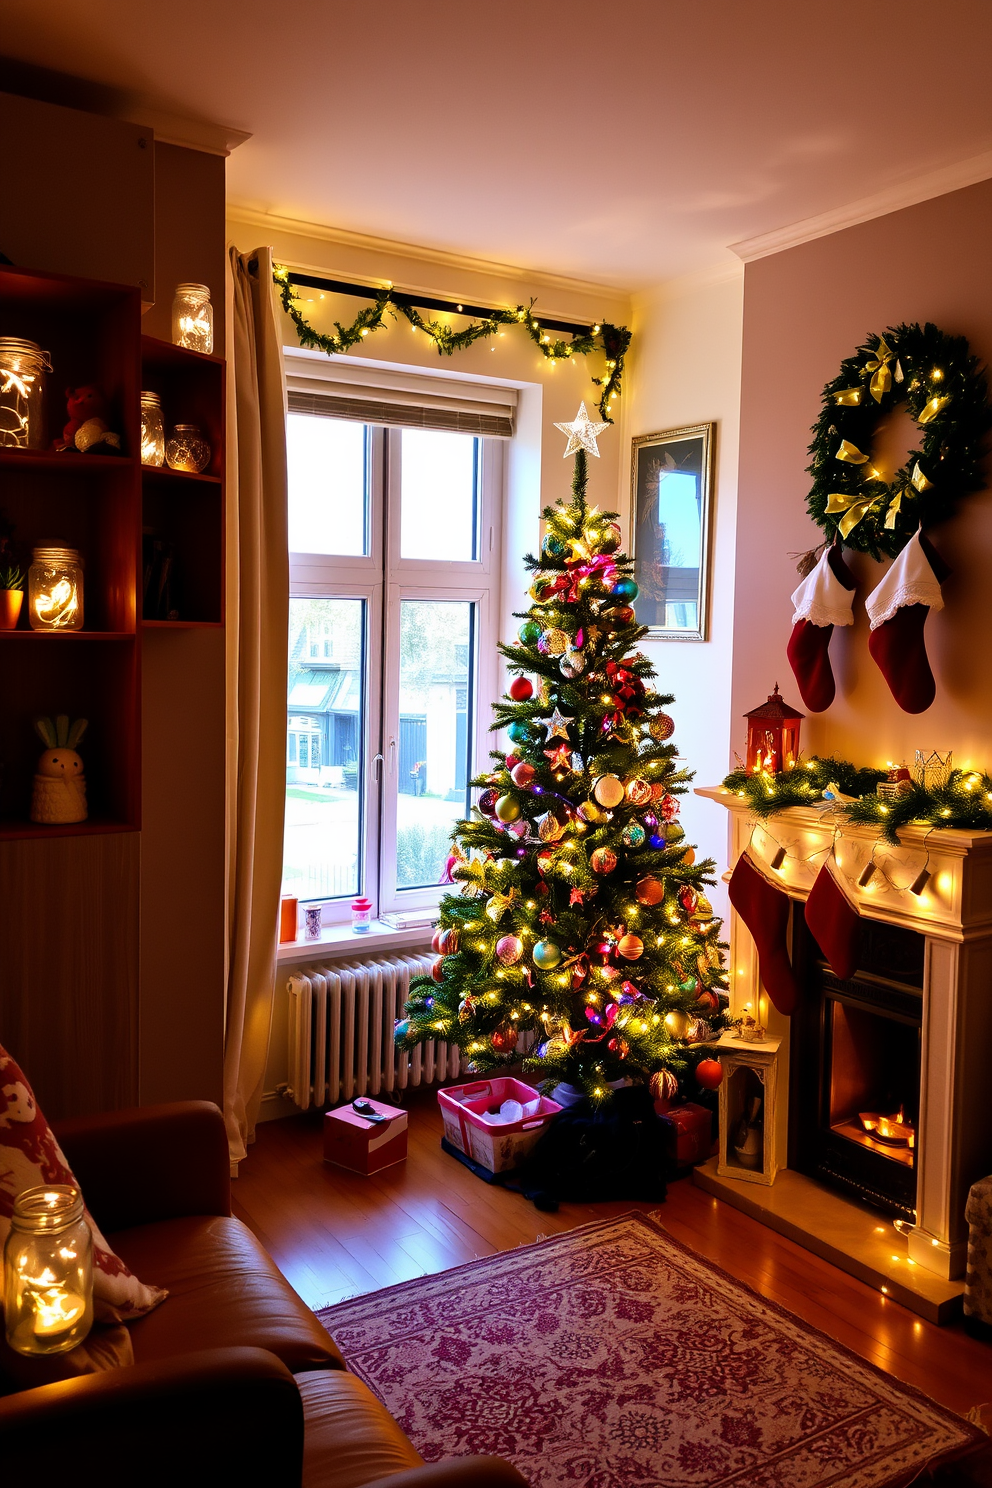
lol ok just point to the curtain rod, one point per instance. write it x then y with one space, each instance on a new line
424 302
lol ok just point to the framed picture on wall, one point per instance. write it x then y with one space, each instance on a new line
671 497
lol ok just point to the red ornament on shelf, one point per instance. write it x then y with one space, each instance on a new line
773 735
521 688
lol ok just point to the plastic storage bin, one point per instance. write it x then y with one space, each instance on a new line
468 1112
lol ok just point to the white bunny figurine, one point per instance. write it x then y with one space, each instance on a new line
59 793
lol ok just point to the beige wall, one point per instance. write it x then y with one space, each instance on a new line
804 310
686 370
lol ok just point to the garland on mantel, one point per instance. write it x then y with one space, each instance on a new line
963 801
613 341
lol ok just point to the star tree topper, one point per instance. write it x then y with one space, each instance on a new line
582 433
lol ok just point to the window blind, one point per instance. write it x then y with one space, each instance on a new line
335 389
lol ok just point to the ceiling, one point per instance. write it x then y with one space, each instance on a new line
625 143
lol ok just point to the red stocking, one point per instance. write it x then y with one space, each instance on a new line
898 610
835 924
765 911
825 598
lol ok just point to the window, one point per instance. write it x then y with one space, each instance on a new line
392 664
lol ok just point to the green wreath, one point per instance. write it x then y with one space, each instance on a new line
945 391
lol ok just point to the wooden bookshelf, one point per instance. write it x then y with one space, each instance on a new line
103 505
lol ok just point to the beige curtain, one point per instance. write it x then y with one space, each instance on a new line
257 629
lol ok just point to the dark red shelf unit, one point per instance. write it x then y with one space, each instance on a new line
185 512
93 503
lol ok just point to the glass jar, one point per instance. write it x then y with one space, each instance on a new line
23 365
361 915
193 318
187 449
48 1271
152 430
55 589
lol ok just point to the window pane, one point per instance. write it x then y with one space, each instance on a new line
328 485
325 727
438 495
435 744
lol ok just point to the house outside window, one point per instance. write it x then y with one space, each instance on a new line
392 665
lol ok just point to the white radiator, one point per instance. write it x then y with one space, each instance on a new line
341 1032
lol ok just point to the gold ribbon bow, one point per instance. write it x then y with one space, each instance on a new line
895 507
919 479
848 397
878 365
499 904
850 453
853 507
932 409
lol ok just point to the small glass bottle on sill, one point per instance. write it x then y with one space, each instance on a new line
187 449
361 915
193 318
152 430
48 1271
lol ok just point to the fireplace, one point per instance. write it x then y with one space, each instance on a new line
855 1059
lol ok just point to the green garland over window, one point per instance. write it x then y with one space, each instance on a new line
613 341
945 391
964 801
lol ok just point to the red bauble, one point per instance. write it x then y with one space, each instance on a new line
447 942
487 802
504 1040
709 1074
436 941
707 1001
437 970
511 760
521 688
522 773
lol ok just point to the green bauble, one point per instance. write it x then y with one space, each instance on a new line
529 633
625 589
508 809
546 955
519 732
553 546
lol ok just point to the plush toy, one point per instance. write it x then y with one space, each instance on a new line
59 793
87 428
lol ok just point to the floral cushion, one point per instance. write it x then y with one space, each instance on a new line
29 1157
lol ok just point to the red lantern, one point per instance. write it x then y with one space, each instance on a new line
773 735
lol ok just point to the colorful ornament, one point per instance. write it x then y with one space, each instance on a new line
649 890
558 725
662 727
689 857
603 860
609 537
519 731
608 791
706 1000
572 664
508 808
549 828
663 1086
591 813
504 1040
619 1047
553 546
709 1074
448 942
436 941
688 898
465 1009
633 835
638 792
400 1029
542 588
543 862
521 688
509 949
668 808
522 773
546 955
555 642
528 633
582 433
704 911
677 1022
437 970
698 1031
624 589
631 947
487 802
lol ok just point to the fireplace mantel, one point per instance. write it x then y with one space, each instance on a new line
954 914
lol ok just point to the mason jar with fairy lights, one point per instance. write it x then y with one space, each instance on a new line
152 430
48 1271
193 318
55 589
23 365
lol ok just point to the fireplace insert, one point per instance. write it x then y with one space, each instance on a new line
854 1080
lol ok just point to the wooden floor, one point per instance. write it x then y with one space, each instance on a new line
335 1235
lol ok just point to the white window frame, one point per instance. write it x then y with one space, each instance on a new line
383 579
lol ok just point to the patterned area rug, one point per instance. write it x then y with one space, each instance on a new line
612 1356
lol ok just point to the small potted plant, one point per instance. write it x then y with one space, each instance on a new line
11 594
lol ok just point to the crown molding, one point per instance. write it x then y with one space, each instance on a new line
723 272
192 134
458 262
892 199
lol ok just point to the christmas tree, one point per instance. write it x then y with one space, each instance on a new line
582 916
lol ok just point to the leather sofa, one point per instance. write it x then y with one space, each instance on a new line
234 1379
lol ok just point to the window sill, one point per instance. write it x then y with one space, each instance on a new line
337 941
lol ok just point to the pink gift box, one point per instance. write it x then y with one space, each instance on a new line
468 1112
352 1141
